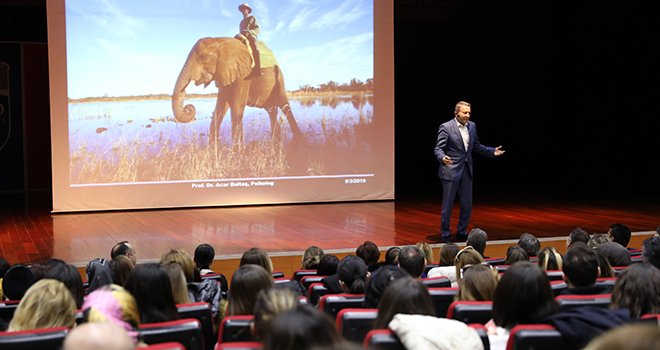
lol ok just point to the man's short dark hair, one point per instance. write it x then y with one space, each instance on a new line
412 260
651 251
530 243
369 252
581 265
578 235
121 248
477 239
392 256
620 234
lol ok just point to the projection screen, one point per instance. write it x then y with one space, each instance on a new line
151 107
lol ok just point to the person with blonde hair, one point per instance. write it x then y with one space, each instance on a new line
311 258
184 259
270 303
477 283
466 256
46 304
550 259
112 303
426 249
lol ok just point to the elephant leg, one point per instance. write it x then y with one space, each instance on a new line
297 134
221 107
275 129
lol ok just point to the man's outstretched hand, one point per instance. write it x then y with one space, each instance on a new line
499 151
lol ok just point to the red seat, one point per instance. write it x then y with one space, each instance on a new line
45 338
534 337
471 311
316 291
382 339
299 274
202 312
354 324
436 282
333 303
187 331
598 300
442 298
247 345
236 329
482 332
165 346
306 281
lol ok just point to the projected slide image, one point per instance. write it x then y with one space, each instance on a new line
162 91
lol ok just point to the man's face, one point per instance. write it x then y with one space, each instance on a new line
463 114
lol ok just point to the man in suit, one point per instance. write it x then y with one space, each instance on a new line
457 140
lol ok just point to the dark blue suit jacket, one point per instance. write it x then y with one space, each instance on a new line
450 143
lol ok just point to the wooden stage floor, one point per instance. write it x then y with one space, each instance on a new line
29 233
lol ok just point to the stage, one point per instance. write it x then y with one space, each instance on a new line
29 233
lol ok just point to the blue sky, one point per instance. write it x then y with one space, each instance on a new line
136 47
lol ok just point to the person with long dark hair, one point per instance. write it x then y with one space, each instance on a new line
150 286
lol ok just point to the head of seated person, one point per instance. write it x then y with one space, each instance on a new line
580 266
248 280
379 281
549 259
465 256
530 244
257 256
150 286
303 327
353 274
270 303
405 295
46 304
311 258
477 283
514 254
448 254
636 289
412 260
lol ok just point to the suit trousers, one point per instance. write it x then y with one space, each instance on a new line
462 188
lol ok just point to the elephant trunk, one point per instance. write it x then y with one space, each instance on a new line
181 113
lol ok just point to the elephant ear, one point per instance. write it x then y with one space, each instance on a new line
234 62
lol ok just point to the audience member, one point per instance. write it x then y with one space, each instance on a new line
448 254
150 286
549 259
378 283
124 248
514 254
477 239
606 270
112 303
301 328
121 267
412 260
270 303
257 256
17 281
351 272
327 265
203 257
369 252
598 239
184 259
405 295
477 283
178 282
615 253
620 233
68 274
465 256
98 336
629 337
530 244
99 273
651 251
392 256
581 270
577 235
46 304
638 290
426 249
248 280
522 296
311 258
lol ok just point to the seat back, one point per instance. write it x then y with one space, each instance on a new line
332 303
278 274
236 329
354 324
45 338
555 275
308 280
483 334
7 309
165 346
315 291
202 312
471 311
442 298
557 287
534 337
382 339
299 274
436 282
606 282
187 331
495 261
570 301
243 345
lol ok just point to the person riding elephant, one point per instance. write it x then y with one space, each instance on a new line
227 63
250 30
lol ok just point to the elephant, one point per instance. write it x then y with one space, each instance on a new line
227 62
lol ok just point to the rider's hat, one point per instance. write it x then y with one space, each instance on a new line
245 6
